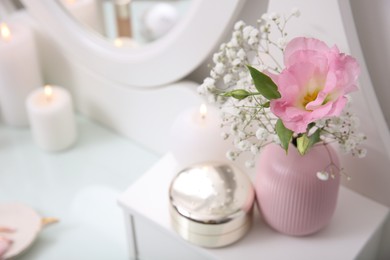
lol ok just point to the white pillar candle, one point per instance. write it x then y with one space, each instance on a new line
51 115
196 137
88 12
19 71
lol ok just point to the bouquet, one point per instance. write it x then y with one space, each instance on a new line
302 102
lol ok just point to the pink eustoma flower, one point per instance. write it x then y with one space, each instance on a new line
314 83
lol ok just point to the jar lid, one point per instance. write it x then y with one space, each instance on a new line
211 199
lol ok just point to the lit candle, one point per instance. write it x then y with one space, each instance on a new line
124 42
19 72
51 115
88 12
196 137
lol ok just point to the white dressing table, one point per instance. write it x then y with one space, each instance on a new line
79 186
353 233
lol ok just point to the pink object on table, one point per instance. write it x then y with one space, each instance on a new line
5 244
294 193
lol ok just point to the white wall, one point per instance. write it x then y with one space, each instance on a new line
372 21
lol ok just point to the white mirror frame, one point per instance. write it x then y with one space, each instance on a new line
161 62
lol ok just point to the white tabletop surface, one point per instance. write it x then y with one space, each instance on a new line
354 223
79 186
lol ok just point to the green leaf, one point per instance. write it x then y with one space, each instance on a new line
237 94
284 134
304 142
266 104
264 84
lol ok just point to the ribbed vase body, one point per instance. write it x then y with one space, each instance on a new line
293 197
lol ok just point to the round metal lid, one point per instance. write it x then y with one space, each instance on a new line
212 193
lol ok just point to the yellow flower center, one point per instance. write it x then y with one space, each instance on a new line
309 97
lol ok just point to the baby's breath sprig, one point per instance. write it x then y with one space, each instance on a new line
247 120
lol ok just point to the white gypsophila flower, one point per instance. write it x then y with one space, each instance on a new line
321 123
349 145
234 127
243 145
362 153
233 43
242 134
360 137
227 78
202 90
236 139
219 68
217 57
295 12
265 17
243 74
239 25
254 33
237 35
249 164
246 32
274 16
210 85
261 134
282 42
207 86
253 41
231 54
241 54
231 155
255 149
224 135
349 101
236 62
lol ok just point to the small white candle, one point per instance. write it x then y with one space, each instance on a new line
196 137
19 71
88 12
51 115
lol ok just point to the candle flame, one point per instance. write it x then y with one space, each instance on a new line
118 42
48 91
5 31
203 110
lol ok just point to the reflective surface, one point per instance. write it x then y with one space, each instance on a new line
211 204
199 30
79 186
135 21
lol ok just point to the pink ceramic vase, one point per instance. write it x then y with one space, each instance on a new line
294 198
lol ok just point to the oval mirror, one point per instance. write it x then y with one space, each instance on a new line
175 54
128 23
